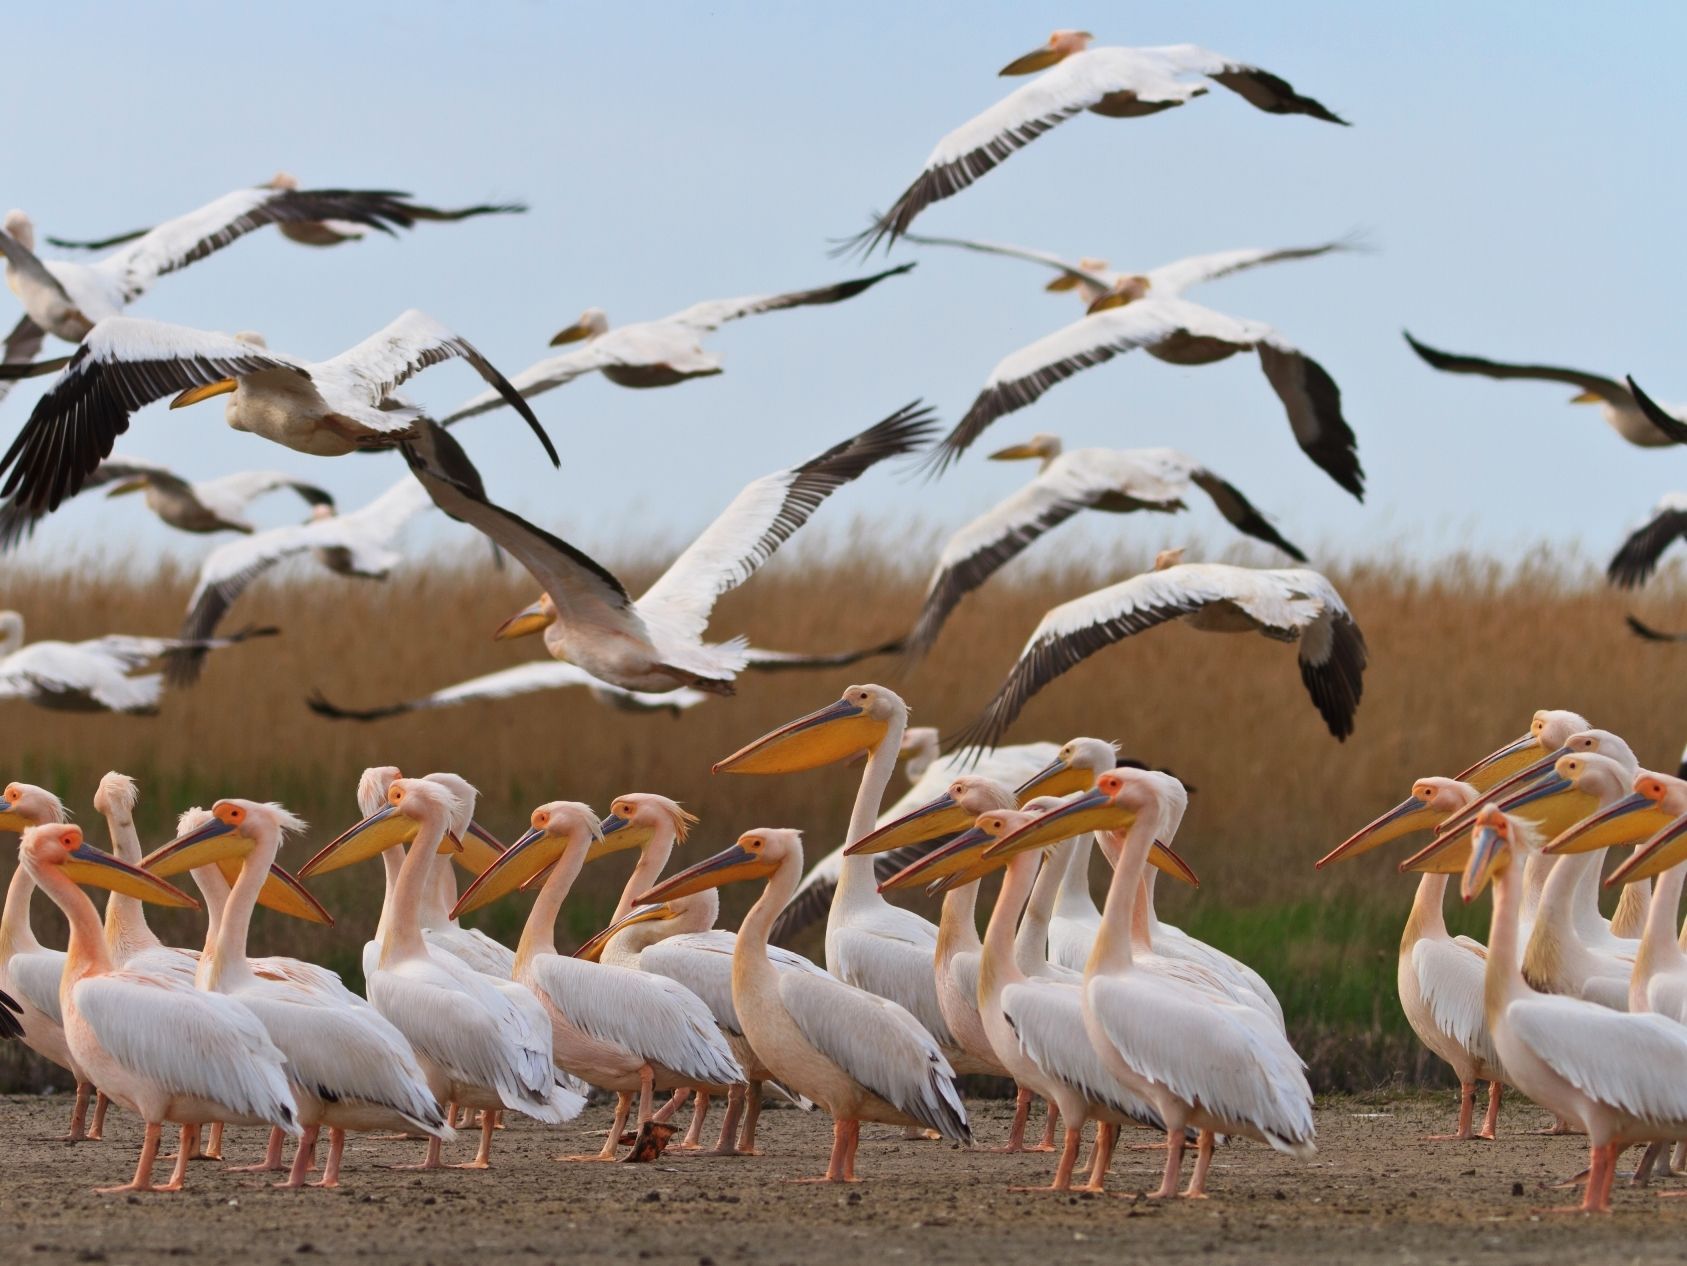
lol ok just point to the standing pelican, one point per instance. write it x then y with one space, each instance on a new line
857 1055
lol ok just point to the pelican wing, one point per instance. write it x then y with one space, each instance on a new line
123 365
1670 424
1633 564
66 676
702 962
1313 402
889 962
1629 1060
536 379
1332 652
769 661
1048 1021
1607 389
508 683
248 485
1100 281
1450 979
879 1045
711 314
1259 88
1241 513
23 344
17 522
761 518
40 291
1179 275
192 1043
34 977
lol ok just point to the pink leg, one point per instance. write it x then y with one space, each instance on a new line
79 1114
623 1108
430 1160
675 1102
97 1129
1467 1107
214 1145
304 1158
752 1114
1174 1165
727 1144
331 1168
1106 1137
1601 1164
694 1135
1049 1122
841 1167
1491 1118
483 1157
142 1181
1068 1161
1197 1188
271 1162
184 1153
1021 1114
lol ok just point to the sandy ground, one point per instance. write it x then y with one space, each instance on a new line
1377 1192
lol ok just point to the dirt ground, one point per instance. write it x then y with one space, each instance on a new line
1377 1192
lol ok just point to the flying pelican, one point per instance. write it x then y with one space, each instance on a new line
348 1067
155 1045
1633 564
1290 605
1116 481
479 1048
1116 83
326 408
92 676
618 1028
656 353
1178 332
1439 977
361 543
1200 1060
397 209
1614 1073
859 1056
210 505
656 643
1619 403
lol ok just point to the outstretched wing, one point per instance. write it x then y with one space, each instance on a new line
508 683
1607 389
1633 564
1259 88
1332 652
713 313
1176 277
1070 271
535 380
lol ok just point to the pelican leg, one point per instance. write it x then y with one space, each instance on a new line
674 1104
623 1108
1491 1118
646 1092
142 1181
1467 1108
1016 1131
1068 1161
1197 1188
694 1134
1677 1162
1101 1158
214 1145
304 1158
1601 1167
1648 1159
841 1168
79 1115
96 1131
1174 1165
271 1162
752 1114
727 1144
185 1151
430 1160
1049 1122
331 1167
483 1157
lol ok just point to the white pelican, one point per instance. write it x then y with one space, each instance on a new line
1619 403
1615 1074
348 1067
656 643
361 543
395 210
1635 561
29 971
1180 333
618 1028
656 353
1116 83
92 676
439 929
1113 480
1439 977
1289 605
155 1045
132 944
326 408
1199 1059
480 1049
859 1056
208 505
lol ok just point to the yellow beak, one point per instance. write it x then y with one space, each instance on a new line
1112 299
731 865
618 835
1586 397
1032 62
1057 778
834 733
592 950
1666 849
87 865
283 893
1504 763
1410 816
1488 857
127 486
1092 812
11 819
385 828
206 845
1630 820
1064 282
1016 452
529 620
931 821
535 851
573 334
480 849
1527 766
961 859
193 395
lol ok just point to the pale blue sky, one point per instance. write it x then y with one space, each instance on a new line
1516 165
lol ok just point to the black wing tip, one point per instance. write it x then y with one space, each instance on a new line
183 666
1666 422
319 703
1646 631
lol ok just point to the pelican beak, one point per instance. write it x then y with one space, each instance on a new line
1630 820
1064 282
1505 763
962 856
529 620
127 486
87 865
1057 778
592 950
729 866
284 894
1093 811
1403 819
1498 776
11 819
834 733
1016 452
573 334
1666 849
385 828
929 822
618 835
535 851
1032 62
1585 397
1488 857
1553 805
1168 861
193 395
480 848
1112 299
214 842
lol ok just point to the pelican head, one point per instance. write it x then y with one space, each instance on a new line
756 855
1654 803
536 617
11 632
1061 45
60 846
229 831
1432 799
1547 734
592 323
284 180
1041 447
372 787
20 229
856 723
921 746
636 818
663 912
1118 798
552 828
1075 767
117 795
1128 289
411 804
961 802
1494 839
24 804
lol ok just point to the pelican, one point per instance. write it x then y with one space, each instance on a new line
92 676
325 408
655 643
1618 402
1290 605
656 353
440 930
1439 977
1116 83
208 505
361 543
1178 332
132 944
618 1028
1200 1060
1614 1073
348 1067
396 210
1115 481
1633 564
155 1045
479 1048
859 1056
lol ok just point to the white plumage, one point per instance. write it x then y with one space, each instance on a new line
522 679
